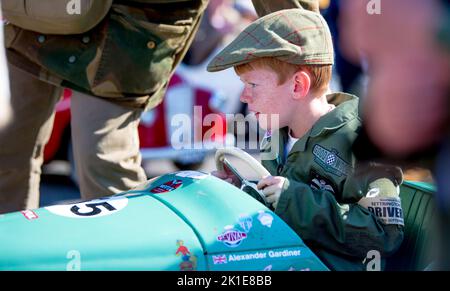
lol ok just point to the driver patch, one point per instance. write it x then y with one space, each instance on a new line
387 209
318 182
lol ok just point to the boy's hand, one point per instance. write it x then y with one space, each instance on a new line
222 175
272 186
228 177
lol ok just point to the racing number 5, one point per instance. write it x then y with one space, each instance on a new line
95 209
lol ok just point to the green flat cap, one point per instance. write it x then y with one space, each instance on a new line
295 36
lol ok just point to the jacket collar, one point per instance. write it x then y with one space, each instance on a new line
345 111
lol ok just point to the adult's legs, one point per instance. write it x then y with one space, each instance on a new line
22 141
105 146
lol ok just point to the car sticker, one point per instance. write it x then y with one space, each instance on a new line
192 175
232 237
246 222
286 253
188 260
167 187
257 255
29 214
220 259
265 218
90 209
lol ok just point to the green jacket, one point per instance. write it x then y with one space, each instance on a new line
324 196
129 56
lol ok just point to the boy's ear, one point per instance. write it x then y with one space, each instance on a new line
302 84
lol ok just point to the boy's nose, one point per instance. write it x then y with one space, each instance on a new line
245 96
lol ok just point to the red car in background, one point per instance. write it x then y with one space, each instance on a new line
157 129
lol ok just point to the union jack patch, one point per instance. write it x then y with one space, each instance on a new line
220 259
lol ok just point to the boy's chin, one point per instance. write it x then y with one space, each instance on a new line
268 127
268 122
264 127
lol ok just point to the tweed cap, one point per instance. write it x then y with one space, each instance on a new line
295 36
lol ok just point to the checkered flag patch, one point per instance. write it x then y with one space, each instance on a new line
331 159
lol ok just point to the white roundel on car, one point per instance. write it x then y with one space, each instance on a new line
89 209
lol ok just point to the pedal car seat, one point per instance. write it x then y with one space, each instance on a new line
418 210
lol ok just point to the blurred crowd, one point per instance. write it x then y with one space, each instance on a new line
406 109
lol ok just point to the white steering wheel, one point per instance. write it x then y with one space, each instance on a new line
247 186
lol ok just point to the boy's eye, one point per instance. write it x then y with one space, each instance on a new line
253 85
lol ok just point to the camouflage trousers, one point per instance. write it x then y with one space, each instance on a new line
104 138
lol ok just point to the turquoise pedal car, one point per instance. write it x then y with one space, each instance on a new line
186 220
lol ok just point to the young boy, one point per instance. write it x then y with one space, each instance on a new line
348 214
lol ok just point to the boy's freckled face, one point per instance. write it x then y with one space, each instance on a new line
264 95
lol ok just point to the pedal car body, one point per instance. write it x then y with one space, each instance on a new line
186 220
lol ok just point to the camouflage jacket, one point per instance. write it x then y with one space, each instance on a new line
128 57
332 201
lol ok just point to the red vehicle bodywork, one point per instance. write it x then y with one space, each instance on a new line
154 132
61 127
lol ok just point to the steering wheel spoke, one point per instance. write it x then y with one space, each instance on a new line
246 186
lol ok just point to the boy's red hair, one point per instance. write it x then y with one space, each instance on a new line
320 74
